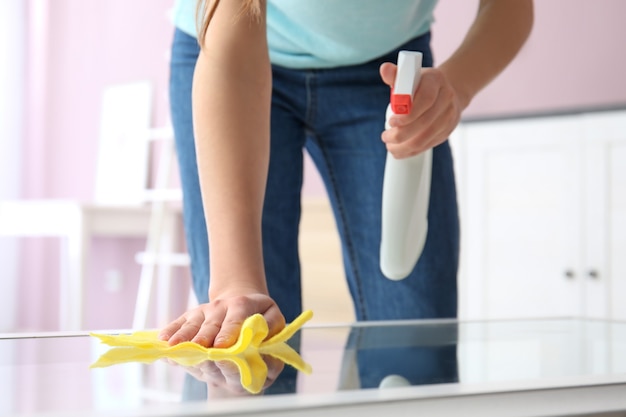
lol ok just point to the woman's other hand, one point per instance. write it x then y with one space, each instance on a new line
435 113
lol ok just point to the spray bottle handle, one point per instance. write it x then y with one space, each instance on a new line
406 185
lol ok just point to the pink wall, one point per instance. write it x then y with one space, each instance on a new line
76 49
574 59
90 45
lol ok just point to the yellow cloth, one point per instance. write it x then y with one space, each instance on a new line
145 347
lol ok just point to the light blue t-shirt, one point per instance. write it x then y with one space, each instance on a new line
331 33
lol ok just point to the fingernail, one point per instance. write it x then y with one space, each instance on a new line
219 342
222 341
393 122
201 340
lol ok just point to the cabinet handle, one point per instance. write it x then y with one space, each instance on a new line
593 274
569 274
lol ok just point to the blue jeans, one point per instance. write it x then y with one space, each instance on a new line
337 115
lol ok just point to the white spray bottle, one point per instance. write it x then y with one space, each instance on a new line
406 186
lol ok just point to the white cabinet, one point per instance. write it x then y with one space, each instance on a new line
605 216
543 216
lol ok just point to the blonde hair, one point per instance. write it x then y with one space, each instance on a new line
205 10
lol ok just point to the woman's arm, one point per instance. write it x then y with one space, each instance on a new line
231 116
498 32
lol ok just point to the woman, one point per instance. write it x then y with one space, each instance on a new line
272 77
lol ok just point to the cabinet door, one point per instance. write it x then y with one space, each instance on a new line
520 214
605 215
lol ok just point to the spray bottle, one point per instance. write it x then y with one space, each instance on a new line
406 184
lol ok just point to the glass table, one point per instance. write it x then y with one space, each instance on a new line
552 367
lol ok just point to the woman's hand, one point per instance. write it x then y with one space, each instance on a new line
495 37
219 322
435 113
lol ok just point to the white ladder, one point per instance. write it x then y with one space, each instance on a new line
158 258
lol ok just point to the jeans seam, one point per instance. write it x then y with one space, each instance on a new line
348 239
310 118
311 100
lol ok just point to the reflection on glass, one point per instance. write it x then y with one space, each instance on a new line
41 374
225 378
401 355
255 360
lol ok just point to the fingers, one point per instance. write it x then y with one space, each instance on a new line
207 332
425 95
183 328
275 320
219 322
388 73
434 115
410 140
199 325
429 91
239 309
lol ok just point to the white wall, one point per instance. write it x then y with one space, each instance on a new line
12 43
